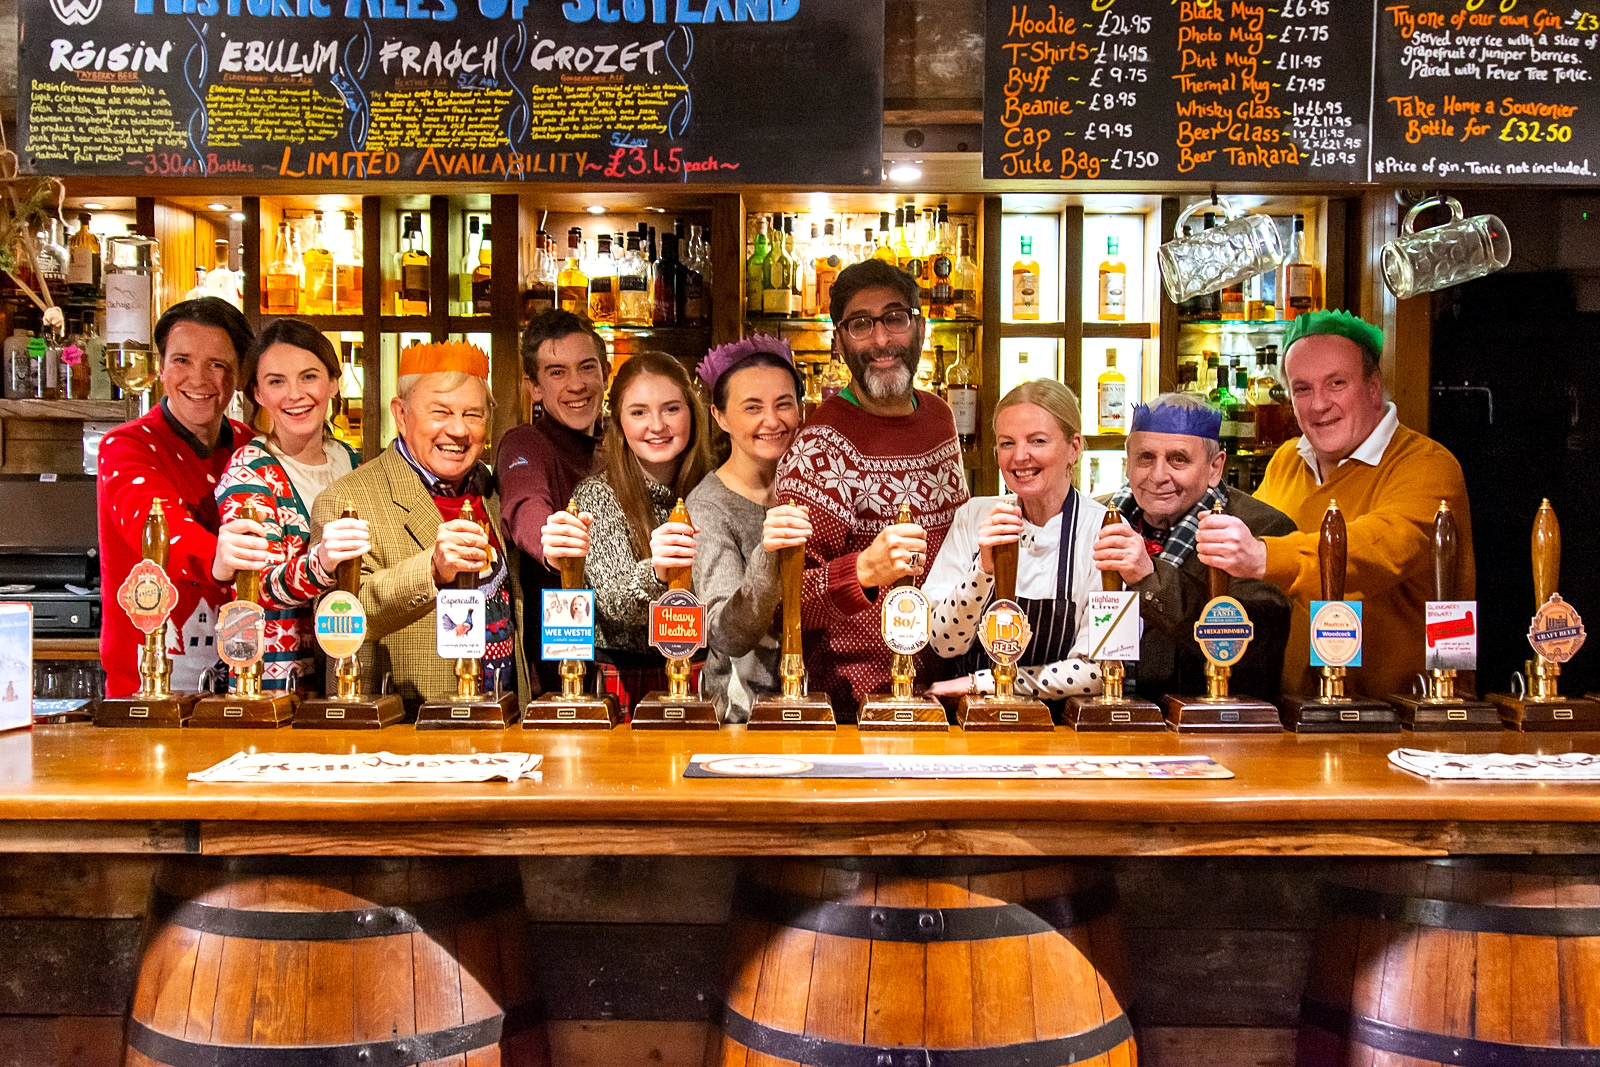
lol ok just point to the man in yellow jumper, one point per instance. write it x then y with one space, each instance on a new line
1388 480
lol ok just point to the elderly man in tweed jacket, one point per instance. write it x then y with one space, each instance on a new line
412 497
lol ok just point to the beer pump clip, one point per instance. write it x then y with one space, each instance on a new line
148 596
1112 709
1335 647
677 631
241 644
794 708
459 633
905 617
1224 633
1005 633
571 708
1451 637
1536 703
341 629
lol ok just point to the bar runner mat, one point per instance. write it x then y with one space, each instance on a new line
361 768
1169 768
1499 766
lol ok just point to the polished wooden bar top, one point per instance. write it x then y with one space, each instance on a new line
89 789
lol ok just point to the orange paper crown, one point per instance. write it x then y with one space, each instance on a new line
443 357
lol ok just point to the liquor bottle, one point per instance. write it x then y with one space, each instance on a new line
219 280
883 250
1213 375
22 371
695 287
834 379
1232 303
83 262
280 290
1025 285
962 396
1113 396
633 286
755 272
539 294
941 269
603 283
1189 380
469 264
1190 310
316 295
52 258
827 266
1300 285
1223 398
572 284
1244 415
482 289
791 251
813 394
416 282
807 262
904 219
1113 285
777 291
668 284
94 354
347 271
964 280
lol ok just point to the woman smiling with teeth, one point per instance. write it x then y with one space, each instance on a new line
291 375
1037 440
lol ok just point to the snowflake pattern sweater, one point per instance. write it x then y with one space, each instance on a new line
852 470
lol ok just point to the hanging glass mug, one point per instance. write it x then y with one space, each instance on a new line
1458 251
1242 247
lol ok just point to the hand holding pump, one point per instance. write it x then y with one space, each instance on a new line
905 610
1112 709
1005 632
677 631
572 708
793 708
460 620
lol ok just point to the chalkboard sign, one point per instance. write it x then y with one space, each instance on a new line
1491 93
598 91
1207 90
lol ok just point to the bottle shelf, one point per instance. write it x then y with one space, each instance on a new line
823 322
1105 442
1133 331
69 410
327 323
606 329
1238 324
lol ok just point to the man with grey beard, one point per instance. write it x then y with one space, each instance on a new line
877 445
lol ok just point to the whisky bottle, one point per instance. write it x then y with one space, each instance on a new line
827 265
481 273
1233 302
941 267
1025 285
696 268
667 285
416 282
1224 398
1245 412
884 250
1300 287
539 294
347 273
755 272
83 262
791 251
603 283
317 295
777 284
572 284
961 394
1113 396
964 280
1113 285
280 290
813 394
633 286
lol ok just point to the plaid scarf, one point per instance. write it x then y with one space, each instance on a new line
1180 539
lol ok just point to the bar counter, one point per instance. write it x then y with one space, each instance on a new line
76 788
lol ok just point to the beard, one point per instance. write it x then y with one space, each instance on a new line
883 384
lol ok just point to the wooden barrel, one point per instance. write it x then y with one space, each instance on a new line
335 963
1472 963
890 964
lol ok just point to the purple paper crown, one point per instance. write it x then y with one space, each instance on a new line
1173 418
720 359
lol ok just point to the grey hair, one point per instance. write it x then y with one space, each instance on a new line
447 381
1189 402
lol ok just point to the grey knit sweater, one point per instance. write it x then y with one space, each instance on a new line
623 586
737 580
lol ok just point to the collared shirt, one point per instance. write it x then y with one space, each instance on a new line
1371 450
477 482
201 449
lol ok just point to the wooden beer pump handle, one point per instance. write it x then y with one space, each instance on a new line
247 583
1111 581
680 577
1005 570
791 579
571 567
347 575
1217 579
1332 552
1444 553
1546 553
469 579
901 519
153 545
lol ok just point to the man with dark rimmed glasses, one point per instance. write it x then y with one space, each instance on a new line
877 445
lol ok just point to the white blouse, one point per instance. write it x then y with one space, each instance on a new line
959 590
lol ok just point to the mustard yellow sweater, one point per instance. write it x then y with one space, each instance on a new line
1388 512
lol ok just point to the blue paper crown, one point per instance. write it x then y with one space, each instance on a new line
1171 418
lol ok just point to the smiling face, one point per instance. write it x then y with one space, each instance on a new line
883 363
444 430
763 413
1036 456
1337 404
1170 472
656 421
293 387
571 380
198 370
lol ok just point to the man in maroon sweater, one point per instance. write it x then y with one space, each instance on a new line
565 368
876 445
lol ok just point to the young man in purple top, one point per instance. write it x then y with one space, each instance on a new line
565 368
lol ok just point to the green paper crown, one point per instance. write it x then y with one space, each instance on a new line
1342 323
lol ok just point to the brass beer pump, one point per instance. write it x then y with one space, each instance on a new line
901 709
1004 632
471 708
572 708
1332 710
154 704
1113 709
676 709
793 708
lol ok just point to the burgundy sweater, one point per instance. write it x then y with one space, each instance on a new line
852 470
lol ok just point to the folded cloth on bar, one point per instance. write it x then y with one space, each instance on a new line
1501 766
372 767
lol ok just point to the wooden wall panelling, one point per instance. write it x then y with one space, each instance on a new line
1167 315
40 446
61 1040
372 271
505 326
629 889
992 299
439 261
727 272
607 1043
174 228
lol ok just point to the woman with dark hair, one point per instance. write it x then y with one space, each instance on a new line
656 450
291 376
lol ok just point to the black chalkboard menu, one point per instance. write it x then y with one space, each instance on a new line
596 91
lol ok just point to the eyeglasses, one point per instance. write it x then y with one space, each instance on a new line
896 320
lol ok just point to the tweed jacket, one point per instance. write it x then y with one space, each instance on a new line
397 578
